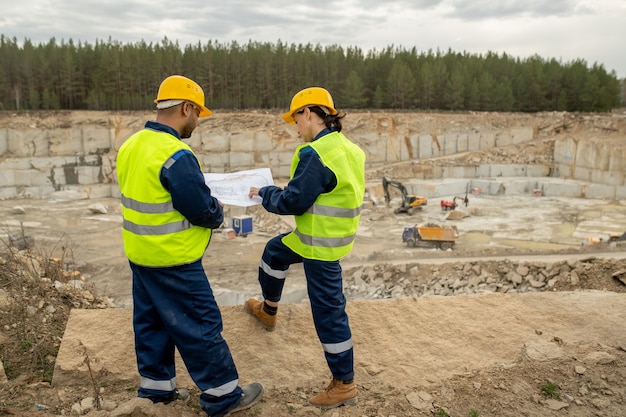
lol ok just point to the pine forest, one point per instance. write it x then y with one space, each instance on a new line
110 75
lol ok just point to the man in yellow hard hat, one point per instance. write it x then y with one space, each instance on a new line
168 214
325 194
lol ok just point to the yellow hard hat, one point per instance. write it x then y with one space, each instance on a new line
177 87
312 96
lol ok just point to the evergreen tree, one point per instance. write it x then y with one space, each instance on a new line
109 75
353 93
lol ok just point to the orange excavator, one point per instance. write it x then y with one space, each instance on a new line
410 203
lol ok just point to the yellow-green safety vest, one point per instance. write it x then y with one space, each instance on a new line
326 231
154 233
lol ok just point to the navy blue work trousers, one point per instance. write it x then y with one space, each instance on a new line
175 307
328 304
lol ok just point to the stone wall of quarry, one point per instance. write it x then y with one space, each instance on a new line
46 152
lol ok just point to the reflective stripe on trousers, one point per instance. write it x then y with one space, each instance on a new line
328 304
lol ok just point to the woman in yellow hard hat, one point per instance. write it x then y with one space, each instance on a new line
325 194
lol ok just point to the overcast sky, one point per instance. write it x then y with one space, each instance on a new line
592 30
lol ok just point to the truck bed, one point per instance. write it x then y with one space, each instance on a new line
448 234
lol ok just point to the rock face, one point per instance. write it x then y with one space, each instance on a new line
41 153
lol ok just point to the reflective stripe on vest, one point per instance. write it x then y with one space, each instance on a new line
154 233
326 231
163 229
334 211
147 207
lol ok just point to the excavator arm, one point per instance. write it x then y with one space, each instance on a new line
409 202
386 183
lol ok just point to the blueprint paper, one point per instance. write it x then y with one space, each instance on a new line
233 188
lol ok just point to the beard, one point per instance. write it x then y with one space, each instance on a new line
187 130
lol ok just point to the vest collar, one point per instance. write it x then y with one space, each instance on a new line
160 127
324 132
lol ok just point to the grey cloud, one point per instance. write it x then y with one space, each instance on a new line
481 9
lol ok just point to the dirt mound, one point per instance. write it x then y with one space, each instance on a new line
552 374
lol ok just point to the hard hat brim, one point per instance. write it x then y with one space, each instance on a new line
204 111
288 117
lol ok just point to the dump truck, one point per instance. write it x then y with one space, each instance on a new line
442 237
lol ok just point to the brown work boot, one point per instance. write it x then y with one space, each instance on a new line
337 393
255 307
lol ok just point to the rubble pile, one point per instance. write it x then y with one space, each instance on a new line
503 276
36 296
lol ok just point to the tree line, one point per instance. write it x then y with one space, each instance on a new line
110 75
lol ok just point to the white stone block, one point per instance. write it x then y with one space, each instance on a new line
462 143
57 176
503 138
563 189
241 160
7 178
564 150
537 171
4 141
39 178
65 142
8 192
22 177
97 140
449 144
611 178
28 143
617 159
487 141
522 134
473 142
425 146
101 190
459 171
214 142
242 141
282 159
194 142
47 163
600 191
374 146
88 175
520 187
280 172
263 141
407 148
30 192
263 159
215 162
585 155
581 173
394 147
